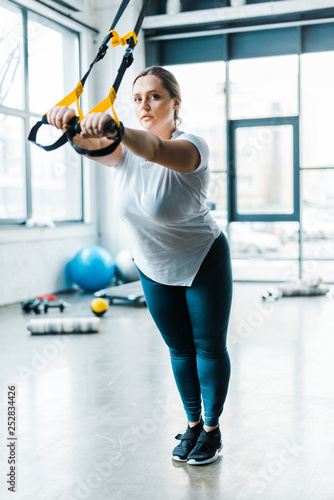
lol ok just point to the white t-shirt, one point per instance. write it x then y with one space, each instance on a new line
166 214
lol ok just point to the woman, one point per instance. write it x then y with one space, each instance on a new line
181 254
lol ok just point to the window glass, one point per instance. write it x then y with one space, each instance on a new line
263 87
12 168
317 109
56 181
11 58
320 269
264 250
318 213
203 112
264 166
217 193
203 106
53 63
56 177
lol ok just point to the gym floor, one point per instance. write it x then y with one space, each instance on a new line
97 413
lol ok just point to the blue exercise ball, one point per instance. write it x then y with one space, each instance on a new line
92 268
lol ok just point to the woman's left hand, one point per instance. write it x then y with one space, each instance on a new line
93 126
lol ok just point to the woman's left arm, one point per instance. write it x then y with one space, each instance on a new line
181 156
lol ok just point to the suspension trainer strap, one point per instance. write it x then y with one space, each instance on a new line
115 125
76 93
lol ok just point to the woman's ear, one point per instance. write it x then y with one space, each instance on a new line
177 103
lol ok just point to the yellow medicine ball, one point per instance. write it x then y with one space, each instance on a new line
100 306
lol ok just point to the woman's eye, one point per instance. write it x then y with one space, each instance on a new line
155 96
137 99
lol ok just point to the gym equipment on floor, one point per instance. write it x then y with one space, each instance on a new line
64 325
92 268
43 304
128 294
99 306
296 288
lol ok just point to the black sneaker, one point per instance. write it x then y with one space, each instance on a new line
208 446
188 441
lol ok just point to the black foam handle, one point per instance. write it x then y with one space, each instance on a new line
110 127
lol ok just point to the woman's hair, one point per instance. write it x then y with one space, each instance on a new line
168 81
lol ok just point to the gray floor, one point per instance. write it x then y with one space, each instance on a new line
97 413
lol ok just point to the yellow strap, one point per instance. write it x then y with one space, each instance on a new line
108 102
101 107
112 97
71 97
122 40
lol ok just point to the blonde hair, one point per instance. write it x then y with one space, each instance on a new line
168 81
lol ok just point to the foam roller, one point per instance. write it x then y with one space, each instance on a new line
64 325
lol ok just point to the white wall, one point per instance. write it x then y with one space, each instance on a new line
33 260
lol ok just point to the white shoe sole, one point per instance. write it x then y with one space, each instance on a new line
178 459
192 461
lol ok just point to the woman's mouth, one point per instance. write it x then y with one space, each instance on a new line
146 117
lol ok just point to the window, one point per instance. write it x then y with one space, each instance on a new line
317 107
264 168
273 180
264 164
12 171
265 86
38 66
203 112
317 162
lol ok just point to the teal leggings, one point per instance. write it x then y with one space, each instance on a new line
193 322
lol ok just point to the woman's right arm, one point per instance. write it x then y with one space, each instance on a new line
59 116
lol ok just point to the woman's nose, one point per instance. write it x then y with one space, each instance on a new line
145 104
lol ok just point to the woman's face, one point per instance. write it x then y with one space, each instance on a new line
154 106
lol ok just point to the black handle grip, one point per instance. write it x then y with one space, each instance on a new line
74 129
110 127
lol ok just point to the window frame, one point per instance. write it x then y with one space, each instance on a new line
233 213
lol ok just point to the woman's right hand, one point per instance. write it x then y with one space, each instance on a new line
59 116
